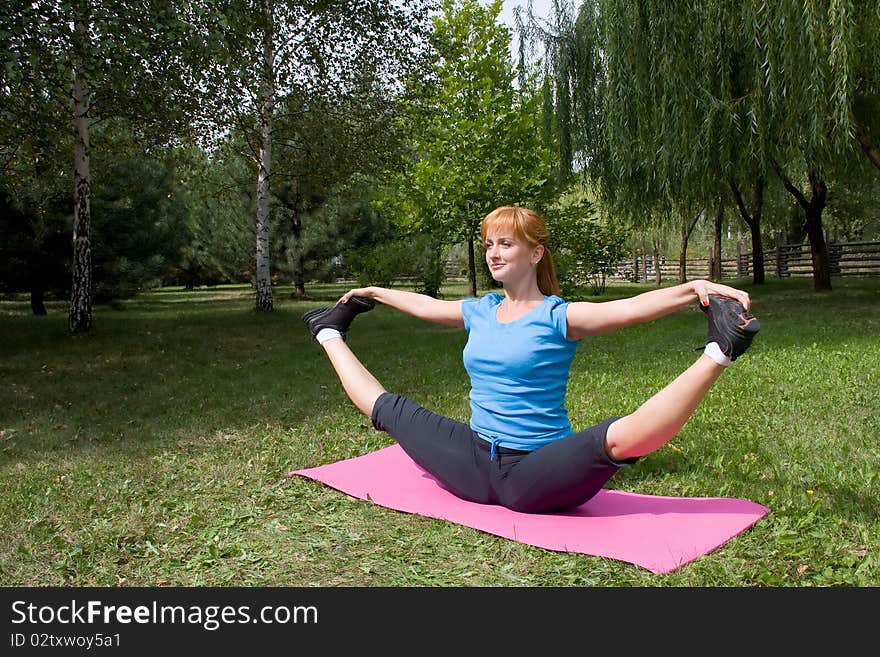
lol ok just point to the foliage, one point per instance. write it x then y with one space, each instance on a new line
279 63
560 70
349 236
136 63
317 49
139 228
217 193
675 107
143 59
716 90
34 246
854 210
415 257
476 141
332 147
343 219
586 249
379 264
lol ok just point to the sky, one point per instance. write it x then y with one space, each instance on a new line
539 7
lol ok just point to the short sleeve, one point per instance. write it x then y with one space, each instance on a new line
559 317
468 308
473 307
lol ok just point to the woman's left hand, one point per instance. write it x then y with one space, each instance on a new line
704 288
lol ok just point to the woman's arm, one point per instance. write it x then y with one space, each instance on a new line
585 318
418 305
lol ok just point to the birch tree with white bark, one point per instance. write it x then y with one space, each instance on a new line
91 60
280 49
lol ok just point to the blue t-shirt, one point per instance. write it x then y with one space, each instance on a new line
519 372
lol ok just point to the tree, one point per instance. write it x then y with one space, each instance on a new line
75 61
714 96
140 227
586 247
562 55
282 54
855 210
860 64
34 243
324 233
218 196
329 145
478 140
751 215
809 73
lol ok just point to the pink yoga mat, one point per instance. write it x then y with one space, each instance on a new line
658 533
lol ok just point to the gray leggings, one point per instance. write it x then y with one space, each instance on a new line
560 475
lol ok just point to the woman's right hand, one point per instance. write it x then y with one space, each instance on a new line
358 292
412 303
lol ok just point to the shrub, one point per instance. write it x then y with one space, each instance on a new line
586 248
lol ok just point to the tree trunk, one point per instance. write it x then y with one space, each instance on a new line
715 272
299 279
753 221
658 275
37 305
299 284
643 275
813 208
682 259
80 313
685 238
267 103
818 247
472 264
867 144
755 229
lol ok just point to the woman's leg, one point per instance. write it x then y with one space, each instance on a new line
440 446
561 475
731 330
361 387
570 471
656 421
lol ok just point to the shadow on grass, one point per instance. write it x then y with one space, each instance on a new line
172 364
148 376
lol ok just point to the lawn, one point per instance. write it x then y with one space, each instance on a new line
155 451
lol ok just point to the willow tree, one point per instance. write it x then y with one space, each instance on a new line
864 62
688 104
637 129
279 53
813 70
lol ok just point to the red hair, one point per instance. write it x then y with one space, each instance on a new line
530 227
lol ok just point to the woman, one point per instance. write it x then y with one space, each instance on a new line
519 449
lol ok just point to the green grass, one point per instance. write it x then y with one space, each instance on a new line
155 451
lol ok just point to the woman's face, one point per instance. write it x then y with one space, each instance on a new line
510 258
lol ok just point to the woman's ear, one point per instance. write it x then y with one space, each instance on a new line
538 254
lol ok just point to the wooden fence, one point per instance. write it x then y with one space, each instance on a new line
783 261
